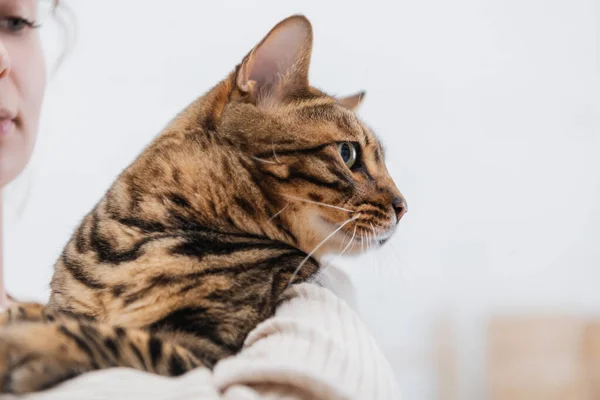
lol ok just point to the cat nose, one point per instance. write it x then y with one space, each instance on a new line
400 207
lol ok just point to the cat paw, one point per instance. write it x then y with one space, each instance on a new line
36 356
25 373
21 312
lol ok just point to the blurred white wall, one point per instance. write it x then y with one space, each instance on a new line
489 110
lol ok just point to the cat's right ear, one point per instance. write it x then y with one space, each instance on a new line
279 64
352 102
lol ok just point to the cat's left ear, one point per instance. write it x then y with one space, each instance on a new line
278 65
352 102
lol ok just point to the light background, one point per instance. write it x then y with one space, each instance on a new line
489 111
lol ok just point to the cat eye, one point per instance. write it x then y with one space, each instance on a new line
348 153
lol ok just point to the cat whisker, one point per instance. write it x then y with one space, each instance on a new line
263 160
274 154
317 203
318 247
345 248
349 243
391 257
381 269
278 212
396 256
375 242
370 241
343 240
372 227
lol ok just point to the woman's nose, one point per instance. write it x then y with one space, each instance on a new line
4 62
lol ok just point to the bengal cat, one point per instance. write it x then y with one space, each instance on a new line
194 243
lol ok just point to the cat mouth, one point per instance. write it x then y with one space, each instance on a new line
379 240
353 233
374 233
386 236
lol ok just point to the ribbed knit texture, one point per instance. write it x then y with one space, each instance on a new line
315 347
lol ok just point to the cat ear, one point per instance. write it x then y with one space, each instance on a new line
352 102
279 63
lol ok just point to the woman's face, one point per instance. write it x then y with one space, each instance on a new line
22 82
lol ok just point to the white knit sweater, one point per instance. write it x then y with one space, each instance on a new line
315 347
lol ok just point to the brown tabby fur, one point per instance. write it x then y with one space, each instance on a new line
197 239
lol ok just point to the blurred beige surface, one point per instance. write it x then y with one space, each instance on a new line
531 357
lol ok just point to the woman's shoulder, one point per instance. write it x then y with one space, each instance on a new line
338 282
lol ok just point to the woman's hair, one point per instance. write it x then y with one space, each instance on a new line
65 20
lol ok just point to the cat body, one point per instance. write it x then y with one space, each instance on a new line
197 239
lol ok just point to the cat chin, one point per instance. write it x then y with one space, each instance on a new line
372 241
334 243
385 236
324 228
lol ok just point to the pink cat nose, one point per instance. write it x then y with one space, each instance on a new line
400 207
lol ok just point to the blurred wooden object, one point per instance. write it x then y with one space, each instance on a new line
446 361
537 358
591 356
527 358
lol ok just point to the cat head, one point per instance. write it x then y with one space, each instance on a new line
317 167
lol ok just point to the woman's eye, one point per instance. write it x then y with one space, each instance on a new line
348 153
15 24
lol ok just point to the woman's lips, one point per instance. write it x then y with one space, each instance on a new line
7 126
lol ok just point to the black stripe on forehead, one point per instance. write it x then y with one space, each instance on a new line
365 132
370 136
344 120
377 147
319 111
345 123
306 94
381 150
